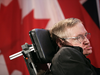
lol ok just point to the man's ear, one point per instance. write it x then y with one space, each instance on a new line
60 42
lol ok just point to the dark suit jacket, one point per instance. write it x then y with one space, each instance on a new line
71 61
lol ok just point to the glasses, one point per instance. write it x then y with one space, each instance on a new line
80 37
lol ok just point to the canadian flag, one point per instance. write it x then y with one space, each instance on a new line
18 17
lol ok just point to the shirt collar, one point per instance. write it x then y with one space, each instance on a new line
76 47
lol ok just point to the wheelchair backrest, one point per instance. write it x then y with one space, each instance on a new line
43 45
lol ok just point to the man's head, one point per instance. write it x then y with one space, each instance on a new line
71 32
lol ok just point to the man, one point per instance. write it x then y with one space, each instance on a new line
73 41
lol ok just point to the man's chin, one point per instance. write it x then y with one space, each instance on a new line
89 51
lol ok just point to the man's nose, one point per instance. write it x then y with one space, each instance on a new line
86 40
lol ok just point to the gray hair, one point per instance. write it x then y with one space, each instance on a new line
60 28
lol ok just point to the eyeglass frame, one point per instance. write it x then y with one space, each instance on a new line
76 38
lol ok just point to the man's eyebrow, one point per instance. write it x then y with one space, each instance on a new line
81 34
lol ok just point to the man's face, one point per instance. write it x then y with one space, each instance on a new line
77 31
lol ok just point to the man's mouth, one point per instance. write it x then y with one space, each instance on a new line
88 48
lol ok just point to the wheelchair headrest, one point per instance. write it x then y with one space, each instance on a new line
43 44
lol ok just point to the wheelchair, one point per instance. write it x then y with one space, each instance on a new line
39 53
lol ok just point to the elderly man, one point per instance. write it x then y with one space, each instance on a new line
73 41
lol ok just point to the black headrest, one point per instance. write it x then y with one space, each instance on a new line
43 45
